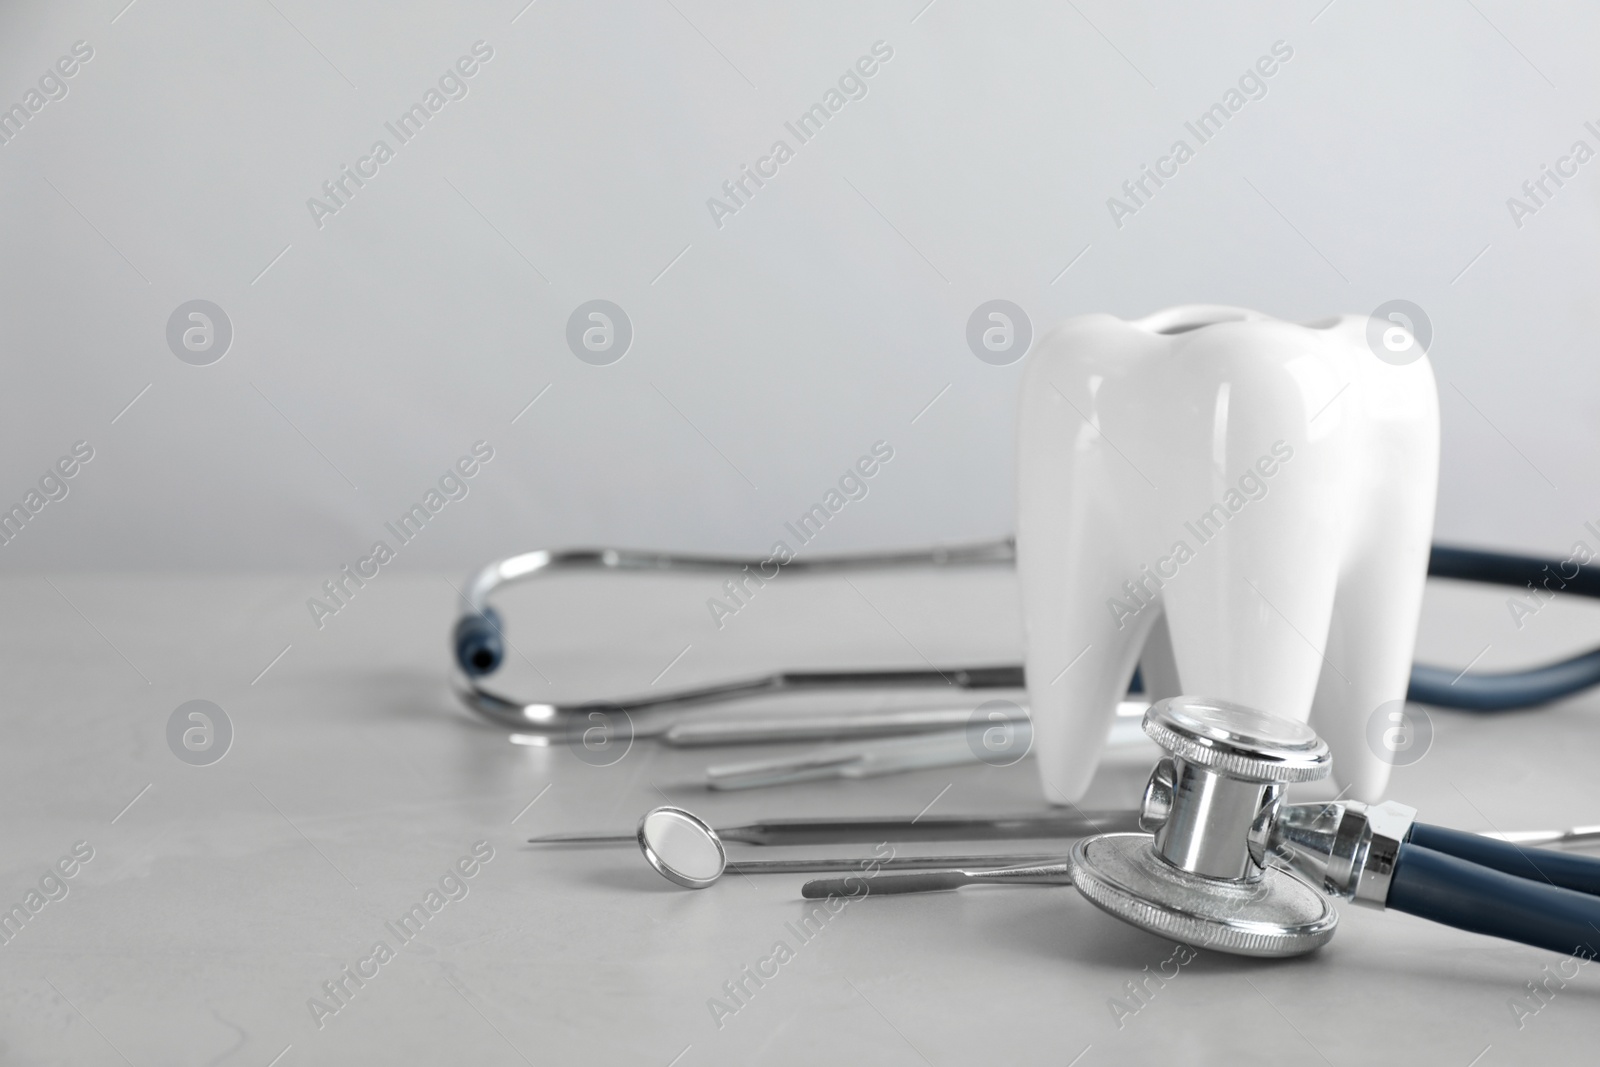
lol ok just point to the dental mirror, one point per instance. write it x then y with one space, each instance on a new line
681 847
686 851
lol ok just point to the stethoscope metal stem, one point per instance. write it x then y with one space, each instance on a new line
480 640
522 567
1199 816
479 634
560 722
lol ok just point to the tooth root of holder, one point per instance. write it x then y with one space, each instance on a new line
1185 504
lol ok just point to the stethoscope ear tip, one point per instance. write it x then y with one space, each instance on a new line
479 646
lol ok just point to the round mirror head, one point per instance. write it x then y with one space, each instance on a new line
681 847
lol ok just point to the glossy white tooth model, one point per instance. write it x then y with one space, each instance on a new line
1244 504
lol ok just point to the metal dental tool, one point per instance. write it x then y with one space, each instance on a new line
946 749
870 830
1021 873
979 741
684 850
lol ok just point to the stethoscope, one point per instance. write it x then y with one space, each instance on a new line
1224 863
479 646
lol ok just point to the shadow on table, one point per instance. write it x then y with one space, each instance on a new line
608 867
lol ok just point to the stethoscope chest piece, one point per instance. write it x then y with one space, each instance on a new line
1200 874
1279 915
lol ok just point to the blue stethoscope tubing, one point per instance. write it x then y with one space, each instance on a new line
1535 896
1447 688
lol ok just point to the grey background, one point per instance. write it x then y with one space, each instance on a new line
769 353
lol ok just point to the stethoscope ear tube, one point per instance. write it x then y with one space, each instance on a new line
479 644
1469 896
479 640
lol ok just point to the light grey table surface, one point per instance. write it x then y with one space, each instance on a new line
220 898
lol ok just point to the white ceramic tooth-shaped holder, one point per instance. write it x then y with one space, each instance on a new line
1241 505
